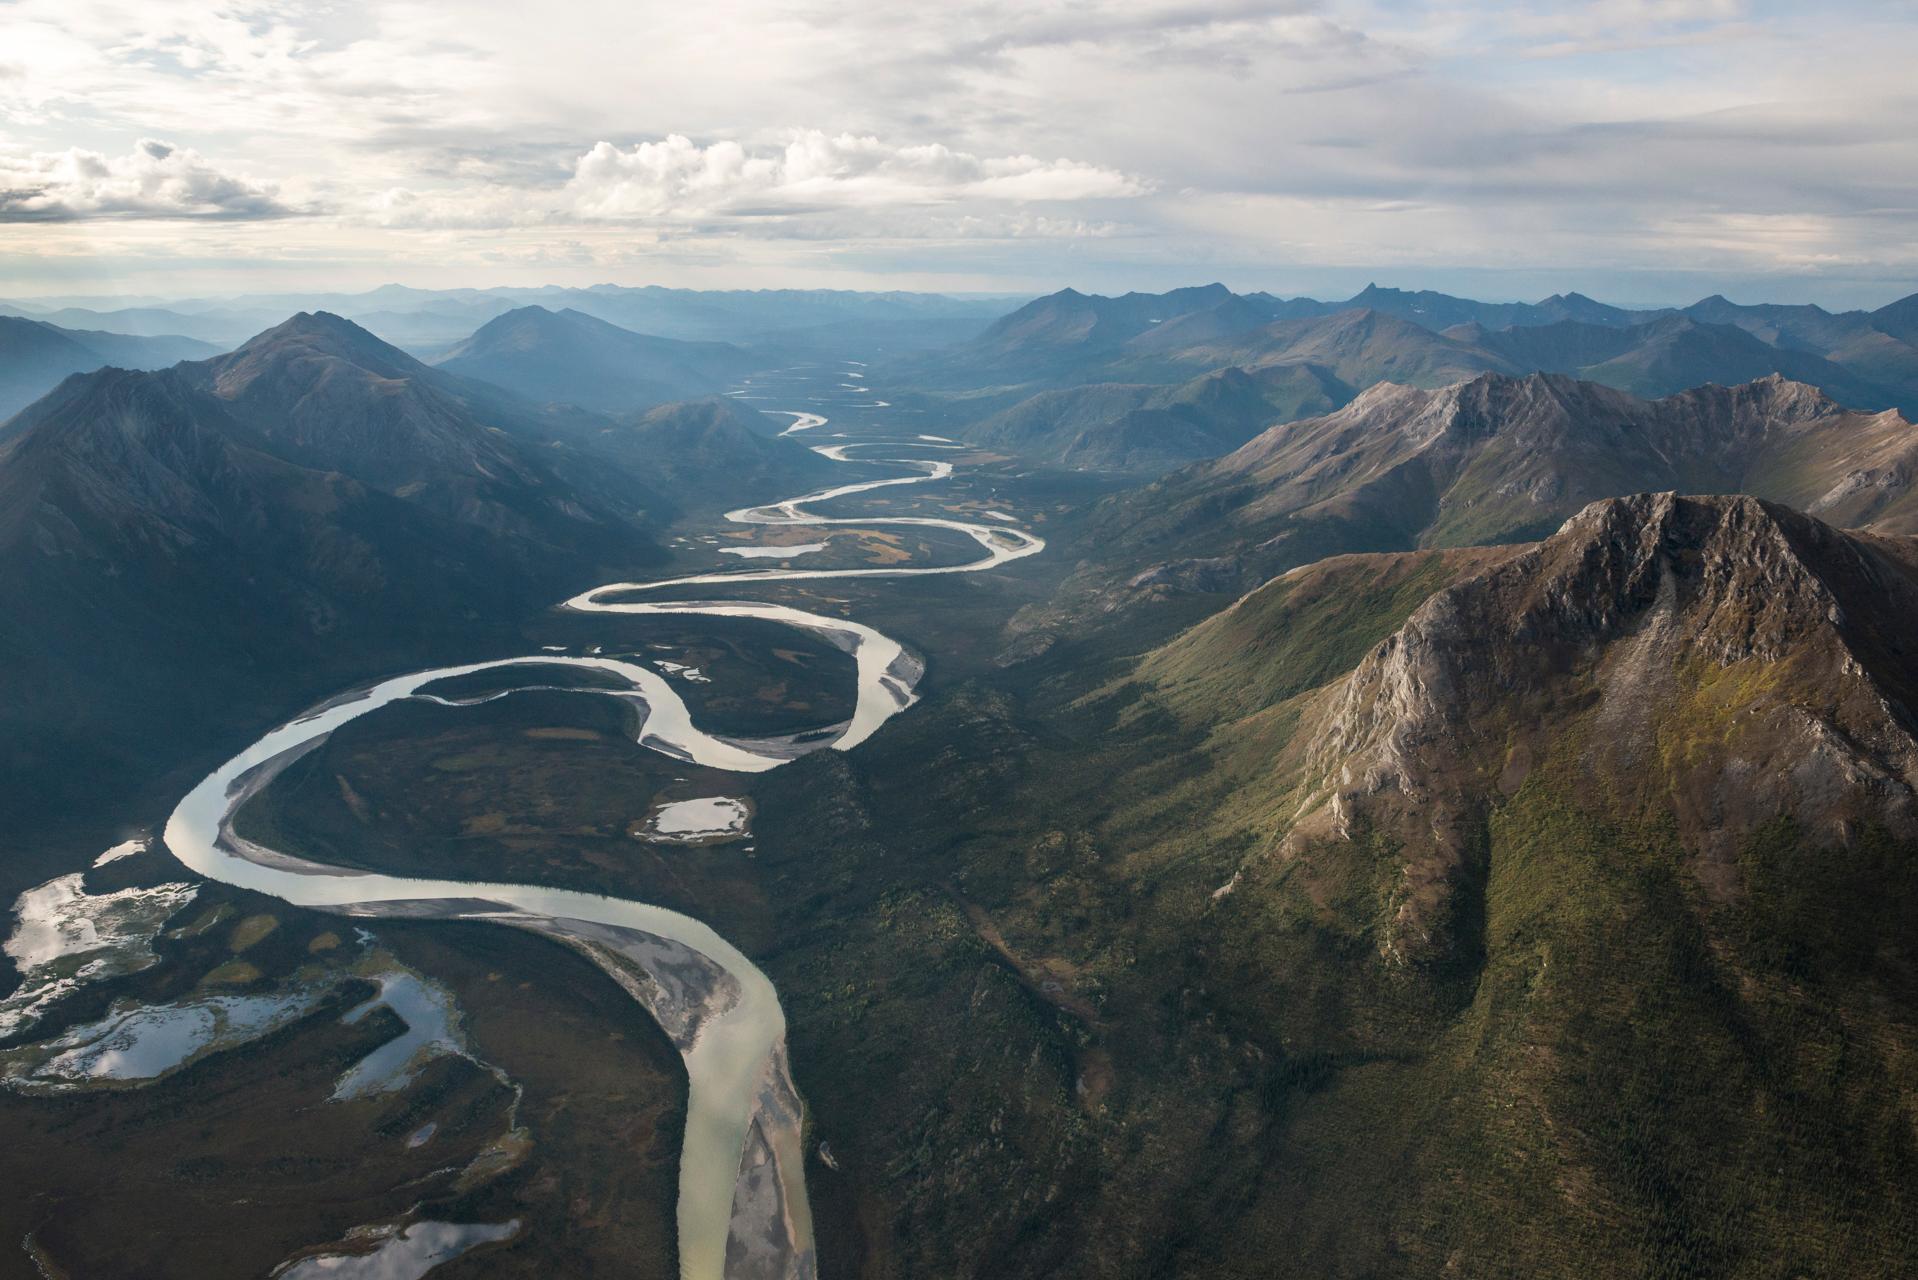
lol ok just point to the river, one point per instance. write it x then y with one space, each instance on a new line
742 1209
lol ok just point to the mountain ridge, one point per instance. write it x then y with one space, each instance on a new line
1492 459
576 358
36 356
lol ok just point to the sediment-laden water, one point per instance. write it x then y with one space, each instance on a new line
742 1211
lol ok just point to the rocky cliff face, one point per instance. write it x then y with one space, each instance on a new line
1491 460
1726 658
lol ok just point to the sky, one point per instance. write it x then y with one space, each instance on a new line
1642 151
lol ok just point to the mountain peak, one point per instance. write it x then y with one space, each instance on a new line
314 324
311 335
1611 632
571 356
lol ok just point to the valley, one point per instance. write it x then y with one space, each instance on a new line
1145 640
720 1010
1117 859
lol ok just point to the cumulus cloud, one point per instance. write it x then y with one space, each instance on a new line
676 177
154 180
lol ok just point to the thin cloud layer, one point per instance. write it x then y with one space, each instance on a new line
153 180
976 143
676 178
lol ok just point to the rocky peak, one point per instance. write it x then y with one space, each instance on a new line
113 411
1622 627
1495 404
1774 398
324 333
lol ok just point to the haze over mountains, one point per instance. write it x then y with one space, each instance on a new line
555 437
1084 346
35 356
313 498
1493 460
572 357
431 319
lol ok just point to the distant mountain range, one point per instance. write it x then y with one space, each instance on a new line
1496 459
35 356
1080 345
428 321
1149 427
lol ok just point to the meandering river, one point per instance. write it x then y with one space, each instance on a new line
742 1211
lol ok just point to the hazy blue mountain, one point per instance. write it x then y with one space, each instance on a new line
1671 353
1423 339
429 321
1899 319
36 355
165 566
574 358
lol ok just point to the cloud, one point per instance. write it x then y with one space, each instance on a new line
154 180
677 178
1566 134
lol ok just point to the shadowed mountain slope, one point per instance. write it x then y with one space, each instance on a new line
35 356
177 545
714 454
574 358
1148 427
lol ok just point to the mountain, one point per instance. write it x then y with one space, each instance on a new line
712 454
1801 327
1358 347
432 320
1218 319
1438 310
1898 319
35 356
1443 311
1422 338
326 394
1615 826
1669 354
1645 618
1150 428
1584 310
1556 903
1070 339
573 358
165 573
1191 325
152 322
812 321
1067 336
193 546
1494 459
1091 323
1043 382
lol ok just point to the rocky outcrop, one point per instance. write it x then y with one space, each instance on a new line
1494 459
1730 658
